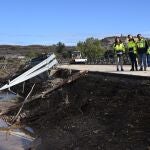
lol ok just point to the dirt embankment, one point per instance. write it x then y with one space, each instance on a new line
95 112
9 68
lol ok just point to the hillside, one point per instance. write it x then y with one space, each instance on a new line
27 50
38 49
108 41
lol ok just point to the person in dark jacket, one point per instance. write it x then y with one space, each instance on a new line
132 49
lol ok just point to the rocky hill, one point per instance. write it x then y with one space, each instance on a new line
108 41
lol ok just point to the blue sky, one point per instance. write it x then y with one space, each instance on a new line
26 22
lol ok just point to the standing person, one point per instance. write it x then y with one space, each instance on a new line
132 52
142 47
148 56
119 49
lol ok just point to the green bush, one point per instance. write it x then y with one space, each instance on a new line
90 48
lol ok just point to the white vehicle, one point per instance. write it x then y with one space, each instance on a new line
77 58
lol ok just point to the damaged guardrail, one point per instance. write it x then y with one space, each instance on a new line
36 70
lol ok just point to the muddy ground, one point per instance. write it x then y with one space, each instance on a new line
95 112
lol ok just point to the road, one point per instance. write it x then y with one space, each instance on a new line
107 69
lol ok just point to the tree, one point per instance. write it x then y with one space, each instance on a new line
91 48
60 47
66 54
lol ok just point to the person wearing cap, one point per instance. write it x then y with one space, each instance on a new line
142 47
132 49
119 50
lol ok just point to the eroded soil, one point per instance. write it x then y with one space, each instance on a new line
96 112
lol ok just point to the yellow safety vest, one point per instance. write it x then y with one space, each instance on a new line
119 47
132 45
141 43
148 51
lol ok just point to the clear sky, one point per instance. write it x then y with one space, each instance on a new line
27 22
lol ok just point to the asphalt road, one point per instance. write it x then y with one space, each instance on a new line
107 69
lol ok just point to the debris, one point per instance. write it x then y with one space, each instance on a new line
14 119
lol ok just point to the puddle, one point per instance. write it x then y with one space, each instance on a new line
8 96
15 139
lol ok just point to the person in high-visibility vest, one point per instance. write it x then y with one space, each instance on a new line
132 49
142 47
148 56
119 50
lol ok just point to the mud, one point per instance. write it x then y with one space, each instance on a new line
96 112
14 138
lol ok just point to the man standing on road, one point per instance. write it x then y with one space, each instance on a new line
132 49
142 47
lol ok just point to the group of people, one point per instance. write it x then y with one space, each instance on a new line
138 51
